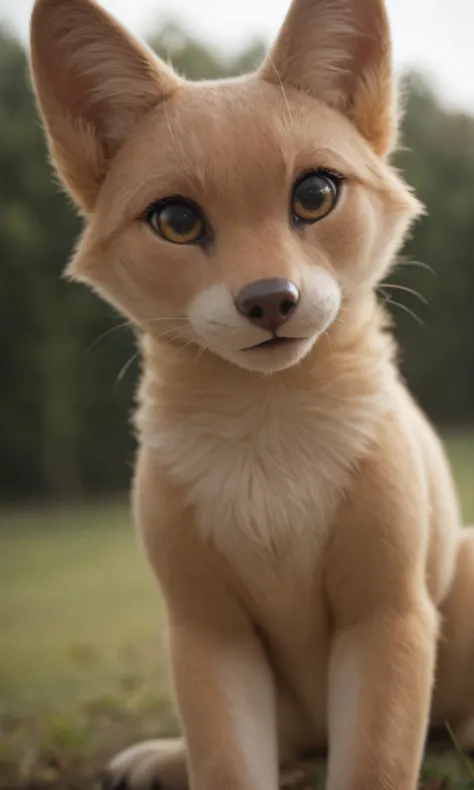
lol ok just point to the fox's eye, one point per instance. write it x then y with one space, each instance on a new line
177 221
314 196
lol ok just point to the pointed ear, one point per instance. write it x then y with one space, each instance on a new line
93 83
339 51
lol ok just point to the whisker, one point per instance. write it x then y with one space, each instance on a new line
402 307
201 351
168 332
405 288
419 264
181 348
169 318
130 324
218 323
173 138
125 368
107 333
283 92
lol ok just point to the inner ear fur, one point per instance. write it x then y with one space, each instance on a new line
339 51
93 82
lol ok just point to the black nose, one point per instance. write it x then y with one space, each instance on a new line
268 303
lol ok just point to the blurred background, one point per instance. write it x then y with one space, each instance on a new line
81 650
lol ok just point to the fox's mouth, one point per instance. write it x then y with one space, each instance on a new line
275 342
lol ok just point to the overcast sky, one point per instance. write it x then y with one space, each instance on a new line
435 35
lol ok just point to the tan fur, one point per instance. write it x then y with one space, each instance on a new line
104 81
340 53
295 505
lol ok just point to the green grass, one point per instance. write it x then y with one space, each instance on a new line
460 447
78 608
82 653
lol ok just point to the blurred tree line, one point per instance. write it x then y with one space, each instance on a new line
64 404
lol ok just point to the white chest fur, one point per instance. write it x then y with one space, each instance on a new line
265 472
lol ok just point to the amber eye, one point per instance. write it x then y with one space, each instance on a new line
177 221
314 196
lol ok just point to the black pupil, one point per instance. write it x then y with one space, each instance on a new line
180 217
313 192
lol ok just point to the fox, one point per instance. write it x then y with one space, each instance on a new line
294 503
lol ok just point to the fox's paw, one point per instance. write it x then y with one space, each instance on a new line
151 765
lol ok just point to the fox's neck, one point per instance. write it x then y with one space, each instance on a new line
354 358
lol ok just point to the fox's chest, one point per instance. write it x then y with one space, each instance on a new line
267 476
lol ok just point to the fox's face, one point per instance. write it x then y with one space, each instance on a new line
239 216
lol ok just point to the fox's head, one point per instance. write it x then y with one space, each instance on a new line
236 215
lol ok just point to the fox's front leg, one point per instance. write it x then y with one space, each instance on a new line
383 653
224 684
380 686
226 700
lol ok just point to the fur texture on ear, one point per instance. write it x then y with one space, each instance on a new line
93 83
340 52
